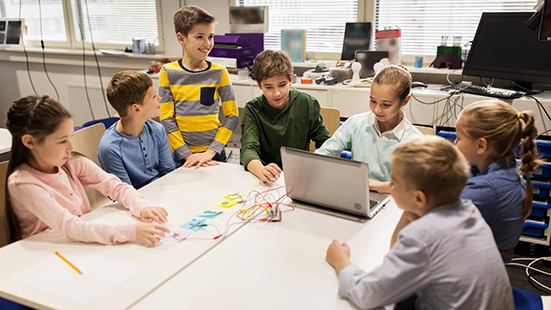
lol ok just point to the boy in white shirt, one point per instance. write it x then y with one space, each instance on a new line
442 249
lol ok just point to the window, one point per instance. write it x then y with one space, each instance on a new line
45 15
115 21
424 22
107 22
324 21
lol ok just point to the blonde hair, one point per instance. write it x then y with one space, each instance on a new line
433 165
502 126
126 88
272 63
190 15
397 76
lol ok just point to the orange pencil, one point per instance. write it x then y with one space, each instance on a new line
68 262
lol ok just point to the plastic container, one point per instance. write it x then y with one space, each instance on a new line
448 135
346 154
534 229
540 189
540 209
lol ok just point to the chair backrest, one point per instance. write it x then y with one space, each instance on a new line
3 220
425 130
331 119
86 142
106 121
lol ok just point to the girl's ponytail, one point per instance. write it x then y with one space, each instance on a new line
529 160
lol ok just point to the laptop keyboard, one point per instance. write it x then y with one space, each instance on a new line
372 203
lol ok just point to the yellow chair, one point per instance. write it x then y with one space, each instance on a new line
331 119
3 220
86 142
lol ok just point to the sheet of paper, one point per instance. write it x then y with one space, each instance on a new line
193 225
99 275
234 195
227 203
210 213
177 235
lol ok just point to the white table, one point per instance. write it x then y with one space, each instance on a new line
184 193
259 265
277 265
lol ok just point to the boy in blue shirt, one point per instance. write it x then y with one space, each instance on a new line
135 148
443 252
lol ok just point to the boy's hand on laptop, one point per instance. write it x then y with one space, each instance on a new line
149 233
379 187
203 159
338 256
157 214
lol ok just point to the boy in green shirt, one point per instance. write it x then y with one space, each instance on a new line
281 117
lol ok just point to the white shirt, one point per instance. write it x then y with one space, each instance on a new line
395 133
448 258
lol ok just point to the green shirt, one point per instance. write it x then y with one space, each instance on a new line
265 130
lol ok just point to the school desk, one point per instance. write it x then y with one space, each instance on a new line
184 193
266 265
277 265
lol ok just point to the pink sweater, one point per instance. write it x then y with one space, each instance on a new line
55 200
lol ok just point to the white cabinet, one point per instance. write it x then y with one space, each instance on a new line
350 102
321 95
420 110
243 93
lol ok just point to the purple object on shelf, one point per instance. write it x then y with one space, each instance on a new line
238 46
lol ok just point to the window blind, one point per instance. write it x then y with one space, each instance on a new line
115 21
424 22
323 20
48 13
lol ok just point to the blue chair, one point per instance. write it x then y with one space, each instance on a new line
526 300
10 305
106 121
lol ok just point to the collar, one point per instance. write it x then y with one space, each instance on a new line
396 133
504 162
181 63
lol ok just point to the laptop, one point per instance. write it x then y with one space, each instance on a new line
331 185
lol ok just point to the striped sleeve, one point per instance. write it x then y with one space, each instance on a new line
168 120
229 107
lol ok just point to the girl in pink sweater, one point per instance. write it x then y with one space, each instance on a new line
45 182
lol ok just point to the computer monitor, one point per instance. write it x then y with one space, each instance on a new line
10 31
503 48
357 36
545 25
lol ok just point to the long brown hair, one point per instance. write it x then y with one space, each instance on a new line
37 116
502 126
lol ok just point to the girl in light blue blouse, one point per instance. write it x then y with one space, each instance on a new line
487 134
373 135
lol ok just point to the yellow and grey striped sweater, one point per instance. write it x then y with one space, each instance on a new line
190 104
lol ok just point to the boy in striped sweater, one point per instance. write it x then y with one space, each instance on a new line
192 90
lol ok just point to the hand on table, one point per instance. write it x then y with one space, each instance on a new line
149 233
379 187
150 214
338 256
203 159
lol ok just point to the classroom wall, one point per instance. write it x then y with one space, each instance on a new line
67 68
